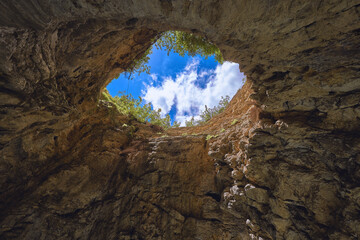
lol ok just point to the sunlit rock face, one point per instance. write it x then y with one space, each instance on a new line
282 162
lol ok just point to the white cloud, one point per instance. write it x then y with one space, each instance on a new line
154 77
189 97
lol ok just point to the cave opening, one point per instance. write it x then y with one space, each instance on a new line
186 81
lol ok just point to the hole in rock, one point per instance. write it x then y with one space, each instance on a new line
182 74
215 196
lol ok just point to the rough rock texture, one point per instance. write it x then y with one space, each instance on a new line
284 158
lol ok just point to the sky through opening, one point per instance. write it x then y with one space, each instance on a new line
181 86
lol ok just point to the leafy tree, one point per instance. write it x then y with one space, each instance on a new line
127 105
176 124
209 113
191 122
182 42
179 42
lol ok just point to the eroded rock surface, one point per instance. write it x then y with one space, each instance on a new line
282 162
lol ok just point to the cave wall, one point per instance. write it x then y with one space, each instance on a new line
287 169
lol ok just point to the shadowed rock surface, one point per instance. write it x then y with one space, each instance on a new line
283 161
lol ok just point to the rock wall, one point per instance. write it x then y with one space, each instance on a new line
282 162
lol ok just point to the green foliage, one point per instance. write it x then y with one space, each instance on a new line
209 113
127 105
182 43
176 124
191 122
234 122
208 137
222 130
179 42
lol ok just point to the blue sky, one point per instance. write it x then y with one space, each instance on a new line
181 86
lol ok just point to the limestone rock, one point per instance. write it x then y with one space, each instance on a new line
257 194
71 170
